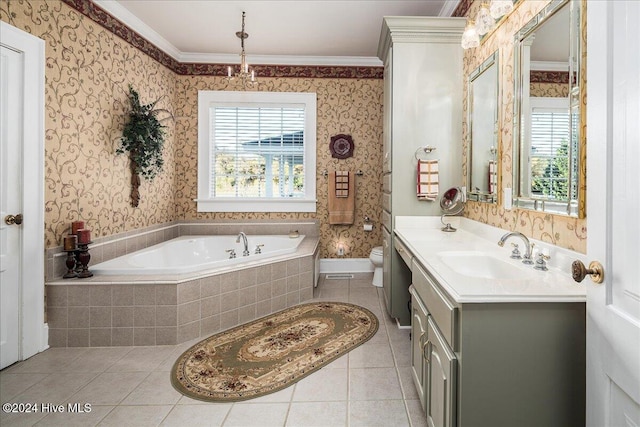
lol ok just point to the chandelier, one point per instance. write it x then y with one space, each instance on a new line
247 76
485 21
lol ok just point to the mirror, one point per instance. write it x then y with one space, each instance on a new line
452 203
482 145
548 120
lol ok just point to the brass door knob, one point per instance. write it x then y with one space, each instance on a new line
13 219
595 270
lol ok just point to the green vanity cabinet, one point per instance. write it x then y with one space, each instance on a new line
496 364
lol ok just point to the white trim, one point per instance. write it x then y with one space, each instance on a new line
206 99
345 265
34 332
549 66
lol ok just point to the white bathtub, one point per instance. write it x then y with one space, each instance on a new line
188 254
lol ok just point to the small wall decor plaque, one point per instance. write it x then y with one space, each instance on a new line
341 146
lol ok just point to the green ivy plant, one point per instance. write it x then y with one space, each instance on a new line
142 138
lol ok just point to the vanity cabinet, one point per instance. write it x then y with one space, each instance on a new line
422 105
495 364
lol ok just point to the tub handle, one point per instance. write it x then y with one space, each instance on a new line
259 249
232 253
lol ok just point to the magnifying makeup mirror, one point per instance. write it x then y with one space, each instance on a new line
452 203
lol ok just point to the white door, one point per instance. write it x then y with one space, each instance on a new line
10 204
613 213
23 332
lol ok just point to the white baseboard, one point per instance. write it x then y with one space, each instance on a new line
345 265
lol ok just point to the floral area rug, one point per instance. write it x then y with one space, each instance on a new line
271 353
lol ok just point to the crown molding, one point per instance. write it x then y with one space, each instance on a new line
549 66
448 8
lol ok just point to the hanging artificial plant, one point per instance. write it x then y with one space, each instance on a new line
143 138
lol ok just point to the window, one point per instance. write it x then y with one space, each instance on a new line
551 147
256 152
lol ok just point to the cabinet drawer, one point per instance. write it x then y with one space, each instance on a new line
444 313
404 252
386 220
386 183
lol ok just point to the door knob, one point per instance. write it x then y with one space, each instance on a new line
13 219
595 270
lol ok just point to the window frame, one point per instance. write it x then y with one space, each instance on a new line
208 99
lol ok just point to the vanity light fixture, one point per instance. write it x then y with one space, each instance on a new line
470 37
485 21
247 76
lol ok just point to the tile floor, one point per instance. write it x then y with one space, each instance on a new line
130 386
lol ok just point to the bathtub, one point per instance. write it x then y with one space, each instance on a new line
189 254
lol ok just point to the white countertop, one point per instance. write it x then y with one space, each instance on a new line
423 237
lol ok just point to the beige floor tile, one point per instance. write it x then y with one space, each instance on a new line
407 384
145 359
96 359
13 384
55 388
257 414
197 415
138 416
402 352
416 413
283 395
376 355
109 388
323 385
361 283
317 414
69 419
156 389
52 360
374 384
20 419
381 413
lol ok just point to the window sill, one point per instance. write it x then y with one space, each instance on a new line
256 205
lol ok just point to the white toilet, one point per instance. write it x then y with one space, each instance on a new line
376 259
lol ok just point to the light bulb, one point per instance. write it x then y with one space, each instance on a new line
470 37
500 8
484 20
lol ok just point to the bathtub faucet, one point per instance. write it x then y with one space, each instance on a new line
246 244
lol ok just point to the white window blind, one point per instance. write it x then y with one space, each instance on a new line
549 157
258 152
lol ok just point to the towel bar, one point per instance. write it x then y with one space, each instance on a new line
358 173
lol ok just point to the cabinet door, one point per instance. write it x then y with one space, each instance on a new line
418 339
441 376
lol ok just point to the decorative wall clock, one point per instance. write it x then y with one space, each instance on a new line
341 146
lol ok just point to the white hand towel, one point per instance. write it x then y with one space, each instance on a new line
427 180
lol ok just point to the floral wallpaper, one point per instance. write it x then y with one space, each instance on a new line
91 59
88 70
567 232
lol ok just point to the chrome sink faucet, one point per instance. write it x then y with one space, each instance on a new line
526 259
246 244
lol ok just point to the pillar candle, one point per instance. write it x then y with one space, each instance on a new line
70 242
76 225
84 236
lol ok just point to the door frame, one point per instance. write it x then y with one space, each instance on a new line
34 335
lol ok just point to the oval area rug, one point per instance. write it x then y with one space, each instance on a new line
271 353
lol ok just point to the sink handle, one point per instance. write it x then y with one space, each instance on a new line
515 253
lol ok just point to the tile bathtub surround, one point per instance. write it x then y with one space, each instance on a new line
136 314
106 248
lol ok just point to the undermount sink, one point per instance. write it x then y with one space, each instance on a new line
482 265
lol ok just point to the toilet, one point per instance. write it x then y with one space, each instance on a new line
376 259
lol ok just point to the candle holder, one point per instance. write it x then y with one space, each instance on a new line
83 258
71 265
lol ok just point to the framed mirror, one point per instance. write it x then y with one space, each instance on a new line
482 146
548 119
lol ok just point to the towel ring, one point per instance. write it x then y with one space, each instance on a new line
427 149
